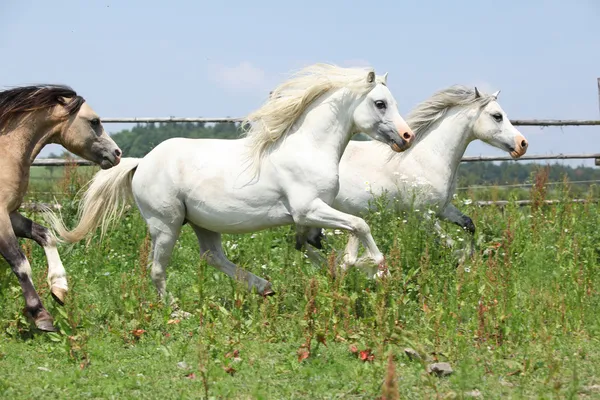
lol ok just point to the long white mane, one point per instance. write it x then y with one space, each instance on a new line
427 113
290 99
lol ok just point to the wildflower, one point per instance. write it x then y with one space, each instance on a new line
467 270
253 236
467 202
337 232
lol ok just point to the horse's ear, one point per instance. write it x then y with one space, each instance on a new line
477 94
371 77
385 78
495 95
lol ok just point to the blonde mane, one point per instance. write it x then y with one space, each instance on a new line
290 99
427 113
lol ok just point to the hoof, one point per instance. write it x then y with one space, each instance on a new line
43 321
45 325
268 291
180 314
59 295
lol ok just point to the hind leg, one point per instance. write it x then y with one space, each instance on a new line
212 249
312 236
164 236
57 276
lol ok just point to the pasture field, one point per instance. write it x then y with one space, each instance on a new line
518 320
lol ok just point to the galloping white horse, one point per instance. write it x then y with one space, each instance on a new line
284 171
444 125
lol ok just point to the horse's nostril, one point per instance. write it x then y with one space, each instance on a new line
118 153
524 143
406 135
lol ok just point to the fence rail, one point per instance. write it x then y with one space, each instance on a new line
518 122
56 162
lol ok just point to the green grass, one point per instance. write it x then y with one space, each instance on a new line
519 320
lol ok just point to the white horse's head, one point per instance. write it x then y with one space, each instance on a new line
493 127
377 116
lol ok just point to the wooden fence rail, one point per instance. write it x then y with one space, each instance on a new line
56 162
518 122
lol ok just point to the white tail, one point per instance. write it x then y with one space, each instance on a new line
103 202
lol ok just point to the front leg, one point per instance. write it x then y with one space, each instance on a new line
12 253
317 213
57 276
453 214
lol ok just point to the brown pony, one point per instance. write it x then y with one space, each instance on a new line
31 117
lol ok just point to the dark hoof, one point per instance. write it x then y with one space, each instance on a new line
43 321
59 295
268 291
315 239
45 325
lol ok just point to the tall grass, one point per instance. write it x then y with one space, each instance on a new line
517 320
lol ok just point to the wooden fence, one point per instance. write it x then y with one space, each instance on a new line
502 203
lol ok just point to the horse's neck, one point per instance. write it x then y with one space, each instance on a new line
327 124
30 136
443 146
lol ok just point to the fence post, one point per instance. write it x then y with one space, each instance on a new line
597 160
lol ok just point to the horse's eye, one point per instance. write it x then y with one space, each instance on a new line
380 104
95 122
497 117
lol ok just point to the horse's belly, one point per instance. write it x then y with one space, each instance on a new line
227 216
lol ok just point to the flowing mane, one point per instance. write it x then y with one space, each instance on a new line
435 108
16 102
290 99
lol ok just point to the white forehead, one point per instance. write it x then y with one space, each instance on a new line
381 92
493 107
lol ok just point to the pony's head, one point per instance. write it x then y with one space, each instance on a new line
63 117
493 127
377 116
84 135
487 121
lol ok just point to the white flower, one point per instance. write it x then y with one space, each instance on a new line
467 202
467 269
253 236
337 232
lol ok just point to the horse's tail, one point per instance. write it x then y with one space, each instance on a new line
102 204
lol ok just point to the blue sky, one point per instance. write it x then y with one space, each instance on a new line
214 59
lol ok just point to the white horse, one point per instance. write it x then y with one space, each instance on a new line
284 171
423 177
